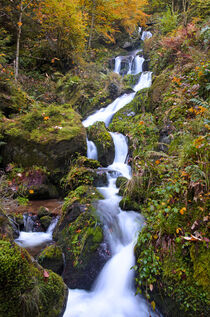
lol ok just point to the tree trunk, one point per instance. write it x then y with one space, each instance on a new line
18 42
92 24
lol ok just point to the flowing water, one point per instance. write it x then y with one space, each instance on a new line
33 239
113 294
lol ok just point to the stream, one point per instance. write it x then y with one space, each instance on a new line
113 294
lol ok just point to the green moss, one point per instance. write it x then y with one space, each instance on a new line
81 239
45 221
52 258
84 195
200 258
44 124
103 141
23 291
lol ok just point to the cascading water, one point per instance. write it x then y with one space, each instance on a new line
33 239
113 294
92 152
117 66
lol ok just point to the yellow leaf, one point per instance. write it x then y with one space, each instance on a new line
178 229
153 305
31 191
155 236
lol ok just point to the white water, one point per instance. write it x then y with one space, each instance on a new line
34 239
146 35
138 62
113 294
92 152
117 66
106 114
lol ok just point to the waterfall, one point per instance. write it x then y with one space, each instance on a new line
146 35
33 239
92 152
113 294
117 65
138 63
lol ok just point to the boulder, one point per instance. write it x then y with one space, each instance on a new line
46 136
26 289
103 141
51 258
80 235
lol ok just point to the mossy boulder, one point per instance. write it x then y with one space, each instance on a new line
46 136
103 141
121 184
157 90
80 235
43 212
25 289
45 221
12 98
51 258
128 204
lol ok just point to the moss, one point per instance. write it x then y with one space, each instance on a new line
158 88
129 204
45 221
85 195
200 259
44 124
103 141
24 292
12 98
81 239
53 134
51 258
79 176
43 212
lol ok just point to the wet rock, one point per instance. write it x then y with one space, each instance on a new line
103 141
45 221
41 293
43 211
80 235
51 258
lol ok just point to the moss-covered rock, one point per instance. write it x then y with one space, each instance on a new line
103 141
128 204
51 258
12 98
80 235
43 212
45 221
46 136
121 184
25 290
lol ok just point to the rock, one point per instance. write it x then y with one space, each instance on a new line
45 221
128 204
51 258
46 137
103 141
80 235
43 211
24 290
100 179
121 184
8 228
